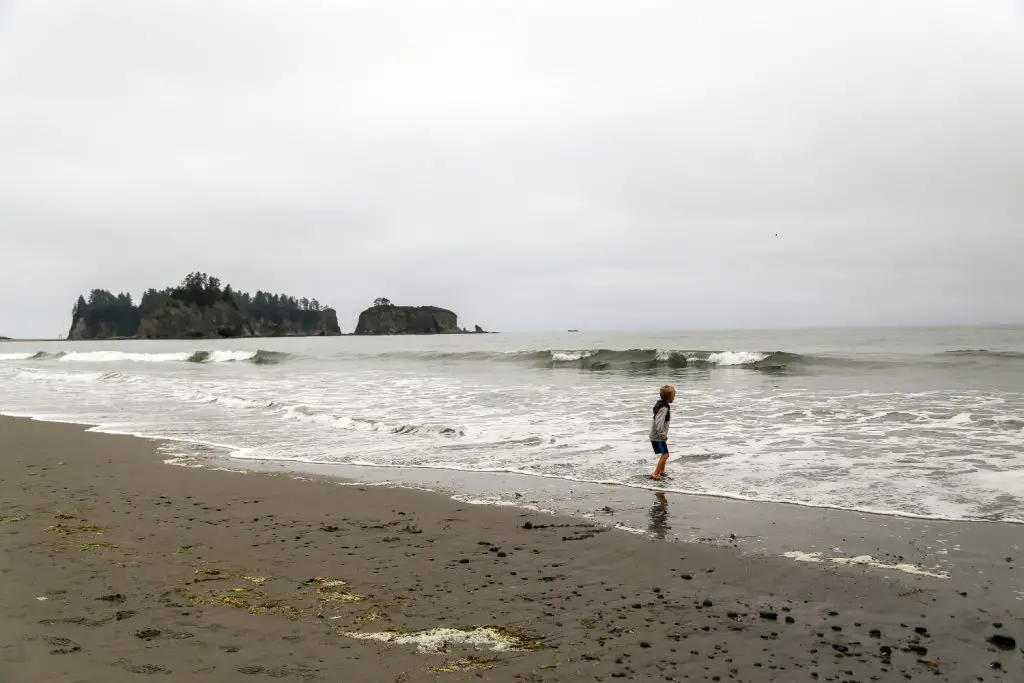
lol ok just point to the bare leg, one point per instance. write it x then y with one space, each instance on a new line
660 469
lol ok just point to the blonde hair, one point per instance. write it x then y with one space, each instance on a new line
667 392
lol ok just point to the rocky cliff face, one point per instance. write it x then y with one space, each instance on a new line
83 330
407 320
177 320
300 324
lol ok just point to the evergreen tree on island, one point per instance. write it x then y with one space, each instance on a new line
105 315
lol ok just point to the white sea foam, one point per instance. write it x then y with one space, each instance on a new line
15 356
442 639
39 375
866 561
216 356
226 356
115 356
725 358
570 356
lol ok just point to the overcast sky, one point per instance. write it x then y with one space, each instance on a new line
530 164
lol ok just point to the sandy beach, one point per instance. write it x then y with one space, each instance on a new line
117 566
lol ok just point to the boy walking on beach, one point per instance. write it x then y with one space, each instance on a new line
659 429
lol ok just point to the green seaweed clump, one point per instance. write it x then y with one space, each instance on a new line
469 663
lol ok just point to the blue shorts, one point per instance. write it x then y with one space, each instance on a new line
660 447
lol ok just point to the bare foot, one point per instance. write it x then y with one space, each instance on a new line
656 477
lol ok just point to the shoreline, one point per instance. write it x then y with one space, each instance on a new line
829 536
373 473
138 563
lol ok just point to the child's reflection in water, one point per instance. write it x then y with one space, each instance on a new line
659 516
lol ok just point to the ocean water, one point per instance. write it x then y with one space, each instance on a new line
915 422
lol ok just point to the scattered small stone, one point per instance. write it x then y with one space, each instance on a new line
330 528
124 614
644 644
147 634
921 630
885 651
790 620
464 560
875 633
768 614
706 603
997 624
686 577
113 597
837 629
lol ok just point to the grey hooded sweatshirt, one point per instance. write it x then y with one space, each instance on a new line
662 416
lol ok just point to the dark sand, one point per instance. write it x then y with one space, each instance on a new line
190 574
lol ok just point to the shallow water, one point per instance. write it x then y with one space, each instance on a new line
921 422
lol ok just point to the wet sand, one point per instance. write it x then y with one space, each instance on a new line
145 569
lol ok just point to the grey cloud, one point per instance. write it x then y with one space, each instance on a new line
533 165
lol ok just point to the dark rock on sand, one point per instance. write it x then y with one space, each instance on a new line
769 614
1003 642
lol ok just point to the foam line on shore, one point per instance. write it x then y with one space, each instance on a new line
865 561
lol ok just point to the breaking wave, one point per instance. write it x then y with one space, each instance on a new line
302 412
984 353
641 359
634 359
259 357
